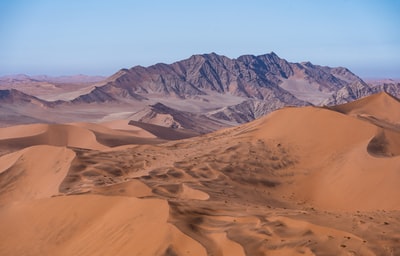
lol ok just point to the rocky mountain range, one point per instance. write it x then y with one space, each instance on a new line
256 77
222 90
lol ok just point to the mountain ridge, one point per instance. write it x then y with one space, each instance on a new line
231 91
249 76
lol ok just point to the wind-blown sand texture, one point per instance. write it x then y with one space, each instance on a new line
300 181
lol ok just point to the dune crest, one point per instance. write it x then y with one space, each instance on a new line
92 225
381 106
36 172
81 135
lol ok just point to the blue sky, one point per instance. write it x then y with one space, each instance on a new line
98 37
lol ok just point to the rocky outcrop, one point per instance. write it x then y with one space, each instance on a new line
250 110
391 88
162 115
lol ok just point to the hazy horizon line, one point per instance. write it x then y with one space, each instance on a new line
108 74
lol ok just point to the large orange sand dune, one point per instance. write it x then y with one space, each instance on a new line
300 181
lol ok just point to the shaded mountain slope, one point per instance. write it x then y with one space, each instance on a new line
15 97
160 114
16 107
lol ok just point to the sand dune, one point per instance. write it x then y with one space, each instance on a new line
112 137
381 106
79 135
315 130
165 132
48 134
92 225
125 126
22 131
33 173
335 153
300 181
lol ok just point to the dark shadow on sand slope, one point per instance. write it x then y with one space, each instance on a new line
112 140
165 133
385 144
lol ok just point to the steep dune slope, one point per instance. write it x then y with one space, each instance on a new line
33 173
92 225
335 150
78 135
380 106
48 134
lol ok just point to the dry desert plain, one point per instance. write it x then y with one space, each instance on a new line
299 181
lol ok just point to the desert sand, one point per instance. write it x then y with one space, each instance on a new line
300 181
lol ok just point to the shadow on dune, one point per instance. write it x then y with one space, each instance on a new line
384 144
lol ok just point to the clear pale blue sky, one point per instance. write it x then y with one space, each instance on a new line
97 37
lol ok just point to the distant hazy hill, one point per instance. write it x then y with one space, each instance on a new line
75 79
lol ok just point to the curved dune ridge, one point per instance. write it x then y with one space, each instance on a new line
382 106
300 181
79 135
385 143
49 134
336 152
93 225
33 173
123 125
382 110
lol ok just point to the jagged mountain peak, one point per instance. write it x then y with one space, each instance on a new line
161 108
211 55
200 59
307 64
